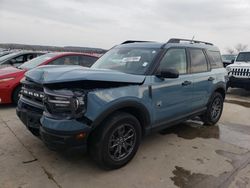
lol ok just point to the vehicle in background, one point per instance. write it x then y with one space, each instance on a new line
3 53
10 76
132 90
18 58
228 59
239 72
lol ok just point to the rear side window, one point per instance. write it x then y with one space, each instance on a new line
215 59
66 60
198 61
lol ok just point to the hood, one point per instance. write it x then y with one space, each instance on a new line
9 71
56 74
240 64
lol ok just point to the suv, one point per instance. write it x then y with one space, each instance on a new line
134 89
228 59
239 72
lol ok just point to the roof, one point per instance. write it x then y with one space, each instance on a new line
170 43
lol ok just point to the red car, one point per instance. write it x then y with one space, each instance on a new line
10 76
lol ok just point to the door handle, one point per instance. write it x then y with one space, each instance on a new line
185 83
210 78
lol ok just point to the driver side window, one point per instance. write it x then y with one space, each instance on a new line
175 59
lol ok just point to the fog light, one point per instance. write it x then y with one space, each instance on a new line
80 136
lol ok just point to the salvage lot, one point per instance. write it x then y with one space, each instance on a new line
187 155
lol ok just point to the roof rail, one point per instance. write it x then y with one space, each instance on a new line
176 40
133 41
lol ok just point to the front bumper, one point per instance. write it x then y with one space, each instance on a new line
64 134
30 116
57 135
5 95
239 82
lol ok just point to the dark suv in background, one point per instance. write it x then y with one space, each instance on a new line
134 89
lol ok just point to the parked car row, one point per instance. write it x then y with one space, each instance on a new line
134 89
10 76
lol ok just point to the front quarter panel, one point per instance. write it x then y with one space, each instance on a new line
108 100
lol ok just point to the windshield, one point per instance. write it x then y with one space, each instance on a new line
127 60
243 56
228 57
37 61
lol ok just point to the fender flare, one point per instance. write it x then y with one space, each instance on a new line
144 113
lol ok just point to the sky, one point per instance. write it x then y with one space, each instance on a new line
105 23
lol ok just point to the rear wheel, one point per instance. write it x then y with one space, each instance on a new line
214 110
116 142
16 94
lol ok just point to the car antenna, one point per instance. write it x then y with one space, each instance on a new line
192 40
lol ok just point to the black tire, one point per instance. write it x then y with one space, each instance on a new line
15 95
214 110
110 138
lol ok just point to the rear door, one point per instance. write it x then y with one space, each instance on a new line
202 77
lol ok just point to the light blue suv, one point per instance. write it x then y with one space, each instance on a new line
132 90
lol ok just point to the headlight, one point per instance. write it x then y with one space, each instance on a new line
64 106
6 79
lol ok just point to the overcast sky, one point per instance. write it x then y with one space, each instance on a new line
104 23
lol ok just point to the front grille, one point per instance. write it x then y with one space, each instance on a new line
240 72
33 92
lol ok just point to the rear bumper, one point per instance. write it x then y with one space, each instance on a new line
239 82
57 135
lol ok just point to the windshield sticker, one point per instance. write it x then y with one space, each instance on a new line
145 64
131 59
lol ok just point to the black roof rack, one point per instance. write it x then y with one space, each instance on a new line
133 41
176 40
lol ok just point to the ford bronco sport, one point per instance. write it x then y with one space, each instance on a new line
132 90
239 72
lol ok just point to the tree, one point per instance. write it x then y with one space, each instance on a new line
240 47
230 51
237 48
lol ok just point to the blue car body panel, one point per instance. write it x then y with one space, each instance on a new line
55 74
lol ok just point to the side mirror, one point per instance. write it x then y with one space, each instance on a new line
232 61
168 73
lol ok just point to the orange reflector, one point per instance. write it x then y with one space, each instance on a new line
80 136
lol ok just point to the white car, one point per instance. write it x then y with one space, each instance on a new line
239 71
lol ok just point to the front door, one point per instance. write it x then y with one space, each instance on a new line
171 96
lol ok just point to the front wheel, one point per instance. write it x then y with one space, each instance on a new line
116 142
214 110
